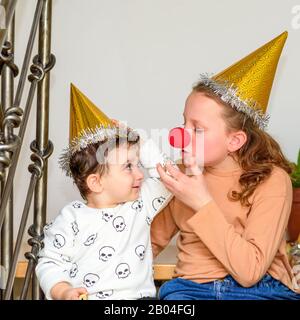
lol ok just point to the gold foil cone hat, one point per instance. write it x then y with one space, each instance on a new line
246 85
88 125
84 115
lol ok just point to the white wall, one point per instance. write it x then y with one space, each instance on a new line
137 59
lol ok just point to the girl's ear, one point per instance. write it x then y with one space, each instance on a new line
236 140
94 182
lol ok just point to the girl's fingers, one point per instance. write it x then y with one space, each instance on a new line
174 171
166 179
192 167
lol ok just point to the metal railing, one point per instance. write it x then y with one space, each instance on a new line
13 116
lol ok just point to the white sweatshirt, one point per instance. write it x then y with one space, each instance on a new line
107 251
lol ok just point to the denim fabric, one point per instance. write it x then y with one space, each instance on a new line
226 289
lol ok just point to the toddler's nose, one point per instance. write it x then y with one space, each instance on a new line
139 174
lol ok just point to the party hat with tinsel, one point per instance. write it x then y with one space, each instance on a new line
246 85
88 125
85 116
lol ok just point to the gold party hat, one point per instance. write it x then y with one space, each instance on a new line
84 115
88 125
246 85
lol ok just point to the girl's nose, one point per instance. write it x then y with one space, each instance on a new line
179 138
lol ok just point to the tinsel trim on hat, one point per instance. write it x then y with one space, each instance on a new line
229 94
88 137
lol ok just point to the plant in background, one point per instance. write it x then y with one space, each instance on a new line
294 220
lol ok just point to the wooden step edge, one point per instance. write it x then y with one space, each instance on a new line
161 271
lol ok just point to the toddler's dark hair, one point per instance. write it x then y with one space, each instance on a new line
84 162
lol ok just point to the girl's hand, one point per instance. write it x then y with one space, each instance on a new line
190 190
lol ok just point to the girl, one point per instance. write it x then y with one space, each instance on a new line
232 218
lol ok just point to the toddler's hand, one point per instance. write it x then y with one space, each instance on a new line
120 124
64 291
74 293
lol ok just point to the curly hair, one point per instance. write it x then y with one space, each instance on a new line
256 157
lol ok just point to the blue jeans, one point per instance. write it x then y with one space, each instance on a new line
226 289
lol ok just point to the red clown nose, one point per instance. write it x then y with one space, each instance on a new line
179 138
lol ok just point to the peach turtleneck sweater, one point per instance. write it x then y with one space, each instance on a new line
225 238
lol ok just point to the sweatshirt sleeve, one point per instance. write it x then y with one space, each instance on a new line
150 156
248 256
163 228
154 194
55 258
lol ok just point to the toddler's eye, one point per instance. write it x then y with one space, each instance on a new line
129 166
